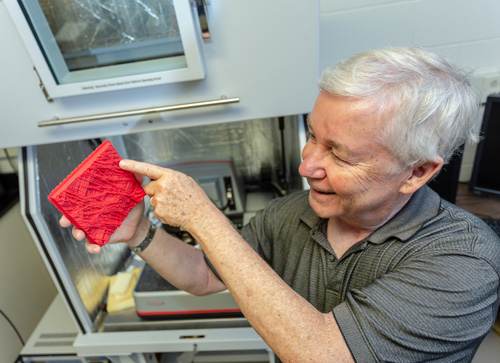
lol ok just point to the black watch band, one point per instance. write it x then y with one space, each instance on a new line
145 243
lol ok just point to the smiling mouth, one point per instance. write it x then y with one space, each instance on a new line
322 192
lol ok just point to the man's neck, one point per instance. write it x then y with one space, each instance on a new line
343 234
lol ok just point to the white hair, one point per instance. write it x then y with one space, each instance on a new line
426 106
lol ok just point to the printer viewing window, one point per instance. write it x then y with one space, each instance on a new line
83 47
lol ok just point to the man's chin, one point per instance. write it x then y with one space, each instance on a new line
322 206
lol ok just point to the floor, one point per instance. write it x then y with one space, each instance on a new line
485 207
481 205
489 350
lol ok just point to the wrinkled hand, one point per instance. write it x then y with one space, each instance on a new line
177 199
126 232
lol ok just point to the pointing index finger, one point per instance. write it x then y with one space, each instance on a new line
152 171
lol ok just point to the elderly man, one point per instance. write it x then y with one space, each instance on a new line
369 264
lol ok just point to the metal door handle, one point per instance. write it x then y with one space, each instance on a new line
143 111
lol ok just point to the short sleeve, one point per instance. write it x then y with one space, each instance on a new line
435 307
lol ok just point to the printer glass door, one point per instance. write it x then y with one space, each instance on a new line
84 41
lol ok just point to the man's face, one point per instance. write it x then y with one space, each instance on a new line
348 170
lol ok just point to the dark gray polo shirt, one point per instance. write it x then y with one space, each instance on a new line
425 286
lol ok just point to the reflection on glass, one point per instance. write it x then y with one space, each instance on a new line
89 273
95 39
253 145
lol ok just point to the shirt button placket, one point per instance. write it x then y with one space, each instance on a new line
334 281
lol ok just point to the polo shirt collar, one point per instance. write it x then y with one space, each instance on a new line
422 206
309 216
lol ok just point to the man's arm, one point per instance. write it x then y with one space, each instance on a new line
181 264
290 325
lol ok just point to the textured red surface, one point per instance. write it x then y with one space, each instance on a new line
98 195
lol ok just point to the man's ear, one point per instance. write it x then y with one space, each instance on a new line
420 175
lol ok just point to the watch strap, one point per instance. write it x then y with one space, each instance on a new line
145 243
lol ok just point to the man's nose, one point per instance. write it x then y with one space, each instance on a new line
312 164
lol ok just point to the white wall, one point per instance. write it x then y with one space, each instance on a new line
26 289
467 32
8 160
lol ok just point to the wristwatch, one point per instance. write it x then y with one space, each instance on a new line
145 243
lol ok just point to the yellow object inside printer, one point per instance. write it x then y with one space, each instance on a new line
120 290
